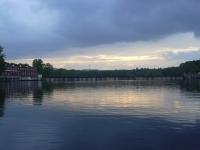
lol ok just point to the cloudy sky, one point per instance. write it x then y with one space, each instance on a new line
101 34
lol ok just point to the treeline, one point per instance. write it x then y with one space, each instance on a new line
190 66
114 73
47 70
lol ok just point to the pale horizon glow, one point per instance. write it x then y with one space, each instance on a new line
149 54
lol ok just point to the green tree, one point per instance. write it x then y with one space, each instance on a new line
47 70
38 64
190 66
2 61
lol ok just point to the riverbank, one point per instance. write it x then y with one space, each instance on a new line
112 79
14 78
17 78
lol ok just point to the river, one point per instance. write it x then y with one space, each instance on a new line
115 115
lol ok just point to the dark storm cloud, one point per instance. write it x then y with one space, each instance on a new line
103 22
38 27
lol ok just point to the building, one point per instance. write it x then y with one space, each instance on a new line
19 72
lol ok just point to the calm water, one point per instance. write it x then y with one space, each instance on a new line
126 115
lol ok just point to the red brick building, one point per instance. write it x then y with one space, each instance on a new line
19 72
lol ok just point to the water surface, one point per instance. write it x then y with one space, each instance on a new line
120 115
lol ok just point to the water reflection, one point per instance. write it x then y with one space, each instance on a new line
13 91
2 102
38 95
168 100
190 85
100 115
175 100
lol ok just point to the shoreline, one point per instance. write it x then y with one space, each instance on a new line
91 79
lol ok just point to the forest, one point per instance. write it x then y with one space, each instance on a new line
47 70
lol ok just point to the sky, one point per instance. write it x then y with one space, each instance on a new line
101 34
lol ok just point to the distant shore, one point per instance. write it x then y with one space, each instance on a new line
22 72
112 79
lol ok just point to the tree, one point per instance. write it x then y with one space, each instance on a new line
38 64
48 66
47 70
2 61
190 66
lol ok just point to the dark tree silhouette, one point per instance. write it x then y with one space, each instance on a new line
38 64
2 61
47 70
